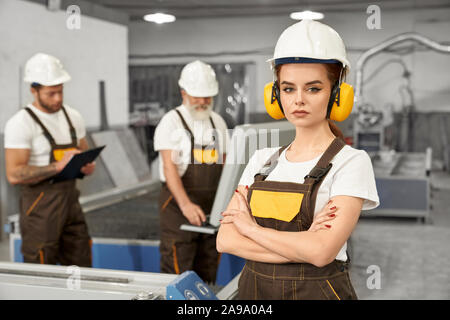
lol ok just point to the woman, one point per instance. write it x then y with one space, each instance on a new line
296 206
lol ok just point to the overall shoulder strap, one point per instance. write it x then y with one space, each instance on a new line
270 165
184 123
324 164
186 127
73 133
212 123
216 134
44 129
316 176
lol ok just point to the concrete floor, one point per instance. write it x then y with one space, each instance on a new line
413 258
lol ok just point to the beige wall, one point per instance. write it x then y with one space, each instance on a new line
98 51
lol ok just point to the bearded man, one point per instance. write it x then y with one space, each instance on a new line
191 140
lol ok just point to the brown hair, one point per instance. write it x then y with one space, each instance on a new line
333 72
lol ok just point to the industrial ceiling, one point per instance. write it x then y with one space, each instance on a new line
193 9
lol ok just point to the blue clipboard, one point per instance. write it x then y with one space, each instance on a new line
73 167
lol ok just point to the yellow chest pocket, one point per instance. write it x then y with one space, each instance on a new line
206 155
58 154
278 205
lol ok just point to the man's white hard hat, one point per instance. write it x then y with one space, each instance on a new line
198 79
45 70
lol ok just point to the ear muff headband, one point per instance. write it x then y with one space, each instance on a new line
339 107
272 100
332 100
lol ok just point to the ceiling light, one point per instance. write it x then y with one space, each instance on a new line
300 15
159 18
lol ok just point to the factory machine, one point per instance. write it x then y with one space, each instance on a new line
24 281
402 176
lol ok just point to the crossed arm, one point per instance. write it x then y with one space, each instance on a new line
19 172
239 234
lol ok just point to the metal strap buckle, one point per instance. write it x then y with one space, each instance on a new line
318 172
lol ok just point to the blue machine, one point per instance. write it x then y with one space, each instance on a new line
189 286
135 255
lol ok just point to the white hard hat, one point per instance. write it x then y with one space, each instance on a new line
198 79
311 40
45 70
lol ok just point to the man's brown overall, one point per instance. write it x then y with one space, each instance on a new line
184 250
52 223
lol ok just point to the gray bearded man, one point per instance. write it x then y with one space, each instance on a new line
190 171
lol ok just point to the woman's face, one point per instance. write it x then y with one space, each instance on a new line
304 92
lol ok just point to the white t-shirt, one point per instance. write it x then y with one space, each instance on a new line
351 175
23 132
171 135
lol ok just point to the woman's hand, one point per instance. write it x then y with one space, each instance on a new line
322 218
241 217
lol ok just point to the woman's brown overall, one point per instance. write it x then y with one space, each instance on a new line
287 206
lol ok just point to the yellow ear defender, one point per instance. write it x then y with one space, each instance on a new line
339 107
271 98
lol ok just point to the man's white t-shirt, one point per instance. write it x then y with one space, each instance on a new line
351 175
23 132
171 135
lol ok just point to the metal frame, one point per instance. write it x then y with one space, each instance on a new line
48 282
364 58
118 194
238 154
